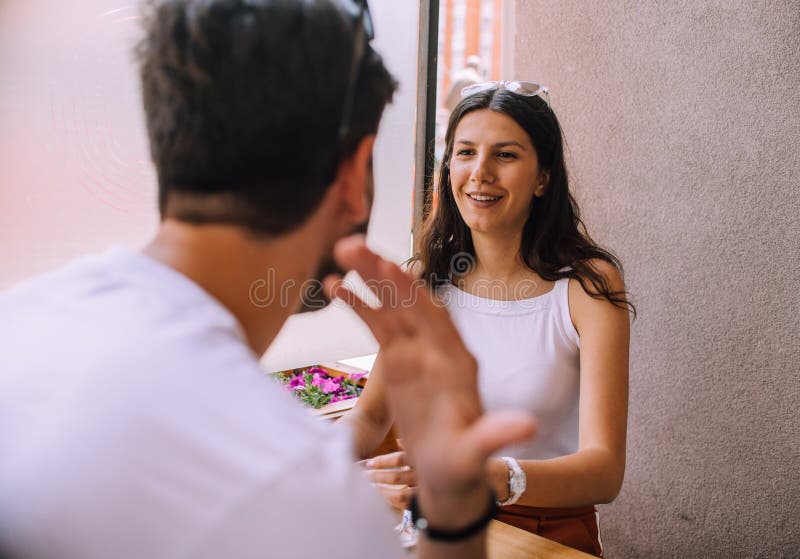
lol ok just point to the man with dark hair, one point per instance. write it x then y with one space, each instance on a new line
154 433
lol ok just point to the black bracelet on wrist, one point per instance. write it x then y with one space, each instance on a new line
451 536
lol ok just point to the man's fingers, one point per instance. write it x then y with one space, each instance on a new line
495 430
415 310
380 327
351 253
389 284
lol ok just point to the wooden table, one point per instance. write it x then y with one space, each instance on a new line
507 542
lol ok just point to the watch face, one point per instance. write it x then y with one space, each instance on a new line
517 484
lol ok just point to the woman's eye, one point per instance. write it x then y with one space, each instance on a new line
507 155
465 151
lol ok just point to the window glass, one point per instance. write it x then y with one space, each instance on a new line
75 171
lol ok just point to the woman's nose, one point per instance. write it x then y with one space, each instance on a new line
482 171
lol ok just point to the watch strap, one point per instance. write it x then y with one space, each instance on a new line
517 481
452 536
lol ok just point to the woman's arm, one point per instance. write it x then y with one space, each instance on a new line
594 474
370 420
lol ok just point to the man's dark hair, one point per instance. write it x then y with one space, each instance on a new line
243 101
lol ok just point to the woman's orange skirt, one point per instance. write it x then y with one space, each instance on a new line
578 528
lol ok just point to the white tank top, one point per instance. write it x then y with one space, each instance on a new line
528 358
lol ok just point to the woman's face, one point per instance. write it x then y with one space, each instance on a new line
494 173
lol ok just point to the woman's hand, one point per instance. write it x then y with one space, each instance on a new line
394 477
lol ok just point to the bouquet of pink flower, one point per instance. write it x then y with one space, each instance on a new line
316 387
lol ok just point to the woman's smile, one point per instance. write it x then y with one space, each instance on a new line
482 200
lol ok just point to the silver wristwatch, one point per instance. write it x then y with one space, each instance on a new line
517 481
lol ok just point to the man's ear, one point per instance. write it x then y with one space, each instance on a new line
544 181
355 180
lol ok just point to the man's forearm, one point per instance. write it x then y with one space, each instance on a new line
473 548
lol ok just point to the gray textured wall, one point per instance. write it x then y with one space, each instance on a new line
683 125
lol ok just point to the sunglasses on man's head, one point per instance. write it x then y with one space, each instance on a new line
364 33
525 89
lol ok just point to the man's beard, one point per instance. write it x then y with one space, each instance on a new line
313 297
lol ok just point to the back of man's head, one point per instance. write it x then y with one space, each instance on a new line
244 100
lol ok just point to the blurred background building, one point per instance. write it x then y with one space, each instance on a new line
470 36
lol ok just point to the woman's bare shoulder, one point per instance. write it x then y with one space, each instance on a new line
585 308
609 272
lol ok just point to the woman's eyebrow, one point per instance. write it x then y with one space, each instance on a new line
509 143
497 145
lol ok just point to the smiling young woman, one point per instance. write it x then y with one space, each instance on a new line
542 308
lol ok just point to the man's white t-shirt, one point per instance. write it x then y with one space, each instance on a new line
136 422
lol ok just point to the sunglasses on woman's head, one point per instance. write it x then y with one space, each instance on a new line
525 89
